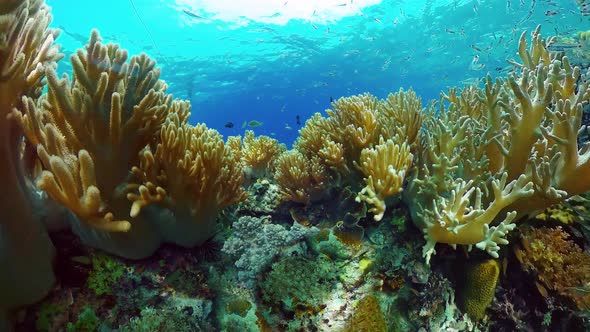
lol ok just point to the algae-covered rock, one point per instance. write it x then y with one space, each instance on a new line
367 316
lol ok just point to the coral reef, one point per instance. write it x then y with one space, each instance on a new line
499 153
256 241
558 264
116 151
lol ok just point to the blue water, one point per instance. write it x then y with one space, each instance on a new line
271 61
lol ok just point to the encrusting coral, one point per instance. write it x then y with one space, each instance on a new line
558 263
26 50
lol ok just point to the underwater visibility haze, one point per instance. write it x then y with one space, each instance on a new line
295 165
238 61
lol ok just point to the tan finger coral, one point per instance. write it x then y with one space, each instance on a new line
384 167
301 180
89 132
27 49
192 174
259 154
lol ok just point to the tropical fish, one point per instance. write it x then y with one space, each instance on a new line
562 46
254 123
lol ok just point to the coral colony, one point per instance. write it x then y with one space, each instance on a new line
108 154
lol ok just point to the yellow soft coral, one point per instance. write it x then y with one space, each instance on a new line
301 180
192 174
339 147
26 50
385 167
89 132
259 154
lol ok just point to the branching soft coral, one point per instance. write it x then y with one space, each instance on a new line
259 154
192 174
358 141
26 50
505 150
91 132
385 167
301 180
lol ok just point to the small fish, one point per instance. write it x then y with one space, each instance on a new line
562 46
287 127
475 48
395 22
341 5
191 14
244 124
449 31
313 25
551 12
298 120
475 9
331 99
254 123
377 20
229 124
